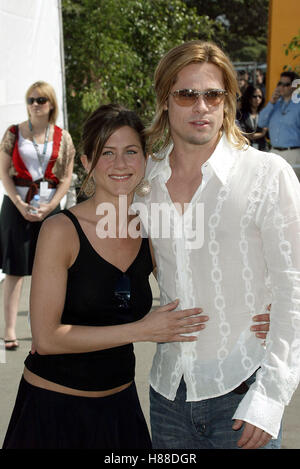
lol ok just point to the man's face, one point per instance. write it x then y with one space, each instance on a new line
200 123
242 83
285 87
259 77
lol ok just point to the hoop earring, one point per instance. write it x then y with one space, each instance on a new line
89 188
143 188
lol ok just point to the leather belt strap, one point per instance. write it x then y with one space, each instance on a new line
285 148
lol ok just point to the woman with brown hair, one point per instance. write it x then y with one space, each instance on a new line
78 389
36 158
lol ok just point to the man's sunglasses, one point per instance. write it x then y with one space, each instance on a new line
283 84
189 97
40 100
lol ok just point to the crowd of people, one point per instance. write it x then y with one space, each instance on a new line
272 126
212 383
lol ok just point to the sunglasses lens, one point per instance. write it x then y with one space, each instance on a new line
40 100
214 97
185 97
189 97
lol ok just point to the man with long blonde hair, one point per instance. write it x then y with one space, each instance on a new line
223 390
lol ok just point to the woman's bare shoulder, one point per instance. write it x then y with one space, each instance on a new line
58 239
58 227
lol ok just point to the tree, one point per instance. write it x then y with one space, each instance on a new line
113 46
245 26
293 48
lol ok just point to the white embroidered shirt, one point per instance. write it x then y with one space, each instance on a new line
235 250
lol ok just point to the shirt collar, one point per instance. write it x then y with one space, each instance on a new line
220 161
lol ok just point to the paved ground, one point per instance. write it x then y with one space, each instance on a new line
10 373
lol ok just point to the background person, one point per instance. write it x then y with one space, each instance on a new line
260 80
252 102
243 80
36 157
282 118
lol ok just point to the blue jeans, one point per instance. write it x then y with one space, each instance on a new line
205 424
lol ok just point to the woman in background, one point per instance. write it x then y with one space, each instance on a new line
252 102
36 157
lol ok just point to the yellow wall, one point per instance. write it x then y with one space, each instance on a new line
284 24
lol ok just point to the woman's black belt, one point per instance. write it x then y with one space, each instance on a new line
285 148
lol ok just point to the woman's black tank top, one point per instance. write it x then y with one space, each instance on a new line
98 294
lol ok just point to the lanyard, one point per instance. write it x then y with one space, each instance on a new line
40 156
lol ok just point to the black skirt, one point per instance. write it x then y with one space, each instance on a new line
18 238
45 419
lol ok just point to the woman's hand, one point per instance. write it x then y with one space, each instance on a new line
44 210
257 135
166 325
25 208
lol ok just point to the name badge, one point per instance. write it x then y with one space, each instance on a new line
44 189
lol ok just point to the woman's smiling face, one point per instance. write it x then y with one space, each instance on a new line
121 165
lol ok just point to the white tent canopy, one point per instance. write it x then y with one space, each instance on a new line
31 49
